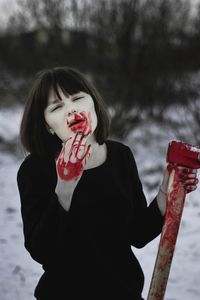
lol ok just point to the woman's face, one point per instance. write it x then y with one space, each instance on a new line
70 114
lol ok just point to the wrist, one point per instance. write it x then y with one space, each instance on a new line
163 191
162 200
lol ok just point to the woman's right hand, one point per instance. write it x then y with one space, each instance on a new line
70 165
72 159
73 156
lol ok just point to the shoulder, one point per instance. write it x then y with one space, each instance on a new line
120 151
123 153
34 165
119 148
117 145
30 162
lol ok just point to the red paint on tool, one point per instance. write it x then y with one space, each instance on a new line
184 154
173 213
179 154
175 204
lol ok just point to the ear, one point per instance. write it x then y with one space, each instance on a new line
50 130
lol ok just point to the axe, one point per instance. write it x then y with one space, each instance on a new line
178 154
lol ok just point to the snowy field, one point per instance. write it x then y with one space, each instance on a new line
19 274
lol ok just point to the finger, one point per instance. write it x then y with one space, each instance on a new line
74 148
85 149
81 151
83 139
191 189
187 173
73 157
87 153
79 143
185 177
69 147
185 169
80 147
194 171
76 141
191 181
192 175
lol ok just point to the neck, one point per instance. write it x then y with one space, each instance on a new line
98 153
94 148
92 140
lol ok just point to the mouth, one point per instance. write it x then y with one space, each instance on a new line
74 122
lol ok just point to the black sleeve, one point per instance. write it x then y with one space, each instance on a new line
147 221
42 214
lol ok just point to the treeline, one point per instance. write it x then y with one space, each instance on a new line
141 54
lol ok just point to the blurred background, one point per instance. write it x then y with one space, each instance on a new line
143 57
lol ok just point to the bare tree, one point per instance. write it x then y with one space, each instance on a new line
49 14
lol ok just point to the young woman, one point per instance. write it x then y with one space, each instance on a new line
82 201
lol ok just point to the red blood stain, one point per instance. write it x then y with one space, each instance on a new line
175 204
180 154
83 124
73 168
175 201
184 154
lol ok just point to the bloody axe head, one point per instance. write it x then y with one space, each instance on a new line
183 154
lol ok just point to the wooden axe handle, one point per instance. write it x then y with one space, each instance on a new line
183 154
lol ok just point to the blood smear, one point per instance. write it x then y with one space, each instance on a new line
183 154
68 170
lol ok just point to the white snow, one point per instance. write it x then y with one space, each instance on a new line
9 123
19 273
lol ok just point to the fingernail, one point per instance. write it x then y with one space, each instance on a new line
192 188
194 171
189 188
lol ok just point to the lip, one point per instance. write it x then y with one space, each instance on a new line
75 122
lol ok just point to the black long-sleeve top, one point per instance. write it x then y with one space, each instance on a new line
86 251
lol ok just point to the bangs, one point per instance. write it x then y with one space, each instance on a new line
68 82
66 79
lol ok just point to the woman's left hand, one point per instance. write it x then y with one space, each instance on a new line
188 178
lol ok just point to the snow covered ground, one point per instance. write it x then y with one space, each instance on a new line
19 274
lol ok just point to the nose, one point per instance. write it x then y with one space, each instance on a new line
70 112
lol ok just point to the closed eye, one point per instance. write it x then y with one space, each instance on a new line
56 107
78 98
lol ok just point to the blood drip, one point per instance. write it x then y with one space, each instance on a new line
174 210
72 170
84 126
179 154
184 154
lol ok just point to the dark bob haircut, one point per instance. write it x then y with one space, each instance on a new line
34 135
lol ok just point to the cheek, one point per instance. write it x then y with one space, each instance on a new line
93 118
58 124
51 120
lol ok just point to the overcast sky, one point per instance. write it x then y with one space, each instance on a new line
7 7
